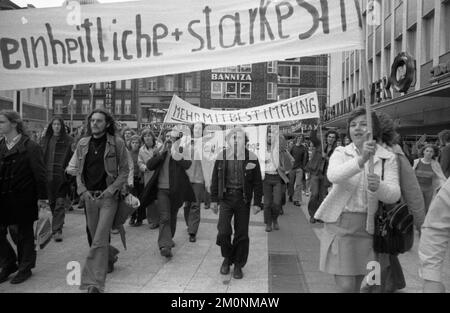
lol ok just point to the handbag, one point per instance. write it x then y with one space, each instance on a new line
126 206
394 227
42 228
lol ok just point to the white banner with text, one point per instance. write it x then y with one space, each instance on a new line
78 44
294 109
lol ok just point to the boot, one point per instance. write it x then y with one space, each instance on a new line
225 268
275 225
237 272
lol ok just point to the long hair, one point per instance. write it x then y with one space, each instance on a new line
146 132
389 136
111 125
14 117
49 131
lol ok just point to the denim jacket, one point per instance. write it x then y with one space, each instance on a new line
116 168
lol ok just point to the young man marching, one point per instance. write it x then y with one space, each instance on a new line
102 164
235 178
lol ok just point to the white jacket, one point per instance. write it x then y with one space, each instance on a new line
344 173
435 238
143 157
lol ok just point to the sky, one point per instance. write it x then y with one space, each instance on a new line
54 3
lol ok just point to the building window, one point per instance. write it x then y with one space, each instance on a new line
387 61
428 39
216 90
188 84
445 26
289 74
99 103
58 106
244 68
169 83
128 84
284 93
118 107
127 107
152 84
411 42
231 90
387 8
98 86
72 108
108 107
287 93
398 46
272 67
118 84
271 91
85 106
246 90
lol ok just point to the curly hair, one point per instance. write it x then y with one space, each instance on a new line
111 125
126 129
388 134
444 136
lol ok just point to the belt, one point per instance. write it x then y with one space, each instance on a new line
234 190
96 193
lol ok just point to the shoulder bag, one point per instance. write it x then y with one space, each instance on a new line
394 227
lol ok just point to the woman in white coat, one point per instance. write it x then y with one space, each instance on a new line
348 211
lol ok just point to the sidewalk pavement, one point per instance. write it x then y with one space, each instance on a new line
193 268
283 261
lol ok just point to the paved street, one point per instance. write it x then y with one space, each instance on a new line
281 261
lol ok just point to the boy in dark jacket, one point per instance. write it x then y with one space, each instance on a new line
236 177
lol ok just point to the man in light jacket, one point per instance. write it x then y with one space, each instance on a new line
435 240
102 170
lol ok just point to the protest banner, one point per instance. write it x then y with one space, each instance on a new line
105 42
294 109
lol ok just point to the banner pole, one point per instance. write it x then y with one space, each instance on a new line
321 134
71 108
365 77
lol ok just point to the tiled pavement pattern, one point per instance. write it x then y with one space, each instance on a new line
282 261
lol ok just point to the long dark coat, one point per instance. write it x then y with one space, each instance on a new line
63 144
180 188
22 181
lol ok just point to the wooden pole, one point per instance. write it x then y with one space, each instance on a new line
365 77
71 107
321 135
